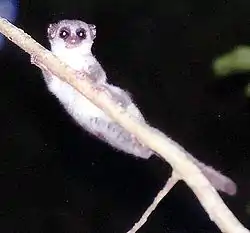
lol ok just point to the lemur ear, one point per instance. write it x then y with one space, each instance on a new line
51 31
92 28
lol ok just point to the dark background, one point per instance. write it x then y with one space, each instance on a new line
56 178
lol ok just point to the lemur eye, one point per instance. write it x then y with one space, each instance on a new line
64 33
81 33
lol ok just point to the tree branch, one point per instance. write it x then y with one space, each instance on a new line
169 150
165 190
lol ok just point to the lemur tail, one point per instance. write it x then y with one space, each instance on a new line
217 179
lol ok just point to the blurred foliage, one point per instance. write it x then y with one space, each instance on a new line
236 61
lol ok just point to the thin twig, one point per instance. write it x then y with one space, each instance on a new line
167 187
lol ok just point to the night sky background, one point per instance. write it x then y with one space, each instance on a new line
55 177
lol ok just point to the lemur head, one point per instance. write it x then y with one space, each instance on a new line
71 34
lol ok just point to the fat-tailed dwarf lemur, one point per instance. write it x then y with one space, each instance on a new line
71 41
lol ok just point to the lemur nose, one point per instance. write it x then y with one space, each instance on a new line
73 40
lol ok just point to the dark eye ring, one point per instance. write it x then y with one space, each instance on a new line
64 34
81 33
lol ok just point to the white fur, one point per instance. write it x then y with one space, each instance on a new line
79 58
78 106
